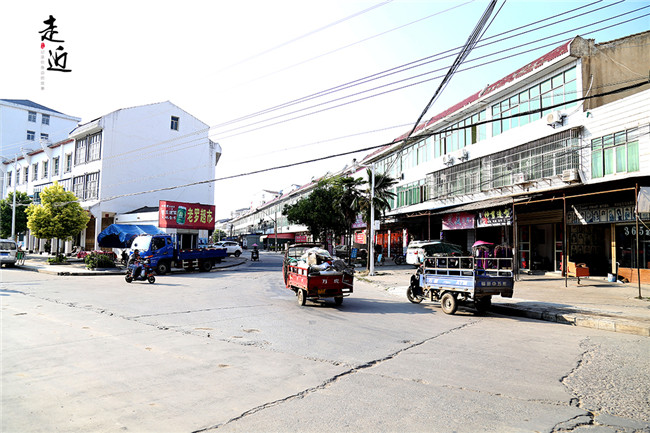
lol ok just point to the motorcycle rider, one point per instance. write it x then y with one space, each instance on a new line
134 261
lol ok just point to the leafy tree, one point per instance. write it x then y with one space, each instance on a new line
22 200
319 211
217 235
58 216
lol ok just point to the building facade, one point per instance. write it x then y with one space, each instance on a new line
569 130
126 160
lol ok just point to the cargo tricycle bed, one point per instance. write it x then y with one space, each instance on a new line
314 275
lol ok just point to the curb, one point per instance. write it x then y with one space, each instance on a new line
564 317
593 321
107 272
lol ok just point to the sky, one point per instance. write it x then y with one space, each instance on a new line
279 82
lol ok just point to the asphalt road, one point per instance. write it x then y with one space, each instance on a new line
232 351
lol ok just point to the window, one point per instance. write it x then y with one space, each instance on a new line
45 119
80 151
86 187
68 162
55 166
175 121
45 137
26 175
31 135
18 176
555 90
94 146
9 174
31 116
35 171
615 153
78 187
45 166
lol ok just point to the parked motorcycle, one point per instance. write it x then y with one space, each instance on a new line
399 259
146 273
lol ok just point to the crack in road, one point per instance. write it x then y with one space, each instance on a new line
584 419
334 378
172 313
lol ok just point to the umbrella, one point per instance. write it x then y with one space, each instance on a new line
254 245
479 243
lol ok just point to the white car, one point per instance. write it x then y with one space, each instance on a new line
232 248
418 249
8 251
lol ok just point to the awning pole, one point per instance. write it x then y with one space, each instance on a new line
564 246
638 253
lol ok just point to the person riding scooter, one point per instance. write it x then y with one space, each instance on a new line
255 254
135 263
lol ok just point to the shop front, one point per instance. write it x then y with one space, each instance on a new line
605 237
539 239
490 226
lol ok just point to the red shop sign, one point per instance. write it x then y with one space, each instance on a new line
173 214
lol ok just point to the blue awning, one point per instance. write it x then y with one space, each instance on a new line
121 235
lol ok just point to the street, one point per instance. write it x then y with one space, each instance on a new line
232 350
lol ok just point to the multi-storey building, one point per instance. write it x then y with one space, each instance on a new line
27 125
545 162
570 128
126 160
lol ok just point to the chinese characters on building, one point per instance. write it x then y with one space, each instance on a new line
185 215
57 57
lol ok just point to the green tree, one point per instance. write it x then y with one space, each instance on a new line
59 215
319 211
350 198
217 235
383 195
22 201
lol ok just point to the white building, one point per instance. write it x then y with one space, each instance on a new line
126 160
26 127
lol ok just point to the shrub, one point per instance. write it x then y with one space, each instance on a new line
57 260
96 260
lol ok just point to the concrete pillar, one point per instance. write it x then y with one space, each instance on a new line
98 230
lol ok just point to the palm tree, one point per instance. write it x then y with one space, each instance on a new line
383 195
350 201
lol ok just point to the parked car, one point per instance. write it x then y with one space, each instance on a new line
417 250
232 248
342 251
8 251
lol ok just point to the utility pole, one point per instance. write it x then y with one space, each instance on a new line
371 241
13 207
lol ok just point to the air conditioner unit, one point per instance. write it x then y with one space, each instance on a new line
463 155
570 175
518 178
555 118
447 159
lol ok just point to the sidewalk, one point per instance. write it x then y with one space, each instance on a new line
77 267
594 303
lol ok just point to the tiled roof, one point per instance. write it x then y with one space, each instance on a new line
530 67
30 104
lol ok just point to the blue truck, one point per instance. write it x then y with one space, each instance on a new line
164 253
454 280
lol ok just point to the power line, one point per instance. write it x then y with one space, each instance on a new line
366 149
411 65
258 127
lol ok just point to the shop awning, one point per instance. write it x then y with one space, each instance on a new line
121 235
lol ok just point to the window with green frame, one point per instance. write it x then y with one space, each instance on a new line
615 153
552 91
